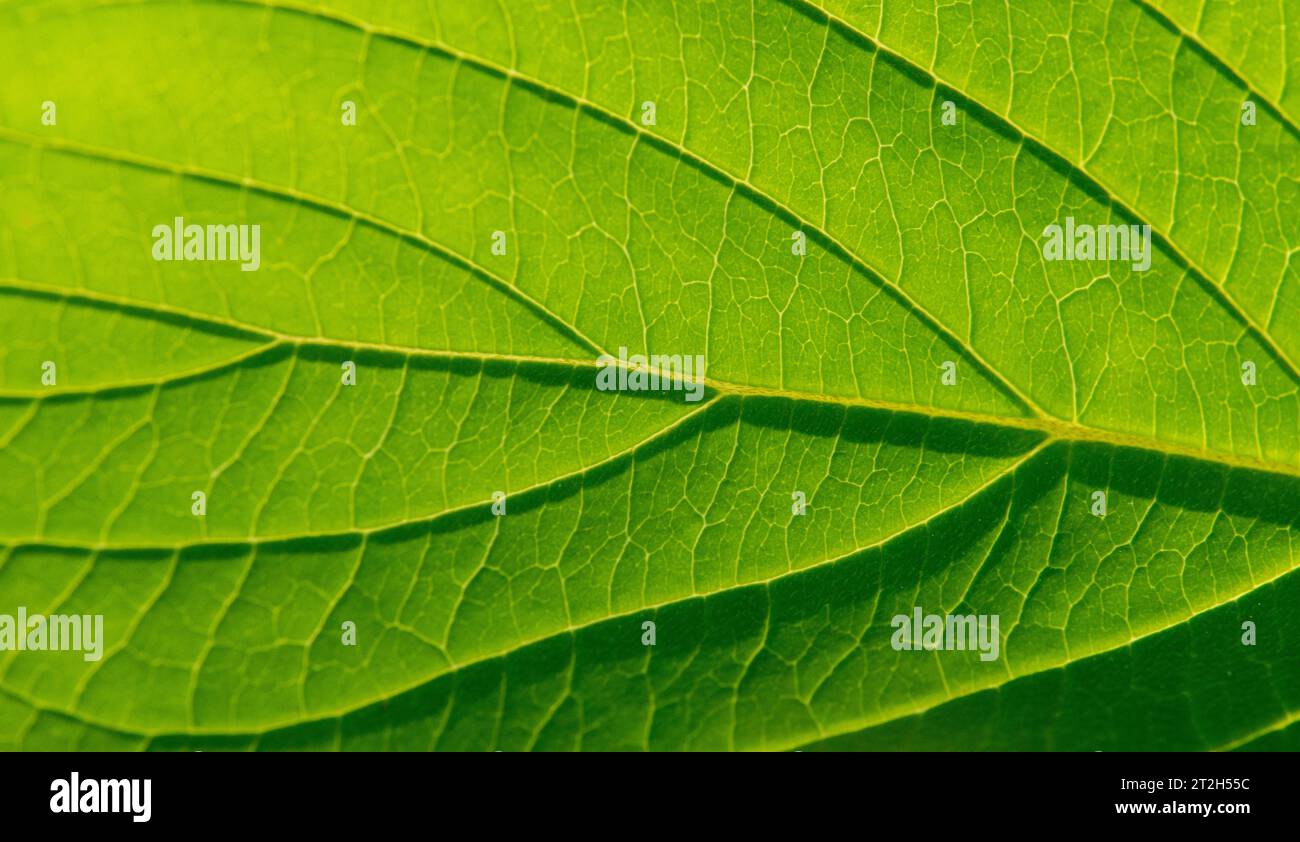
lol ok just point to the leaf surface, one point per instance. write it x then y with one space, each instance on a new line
476 371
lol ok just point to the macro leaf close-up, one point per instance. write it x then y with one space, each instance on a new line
660 375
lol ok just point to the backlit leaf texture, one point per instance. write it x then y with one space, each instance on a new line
371 504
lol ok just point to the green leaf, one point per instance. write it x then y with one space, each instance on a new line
372 503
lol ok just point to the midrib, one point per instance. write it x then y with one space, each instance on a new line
1054 428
